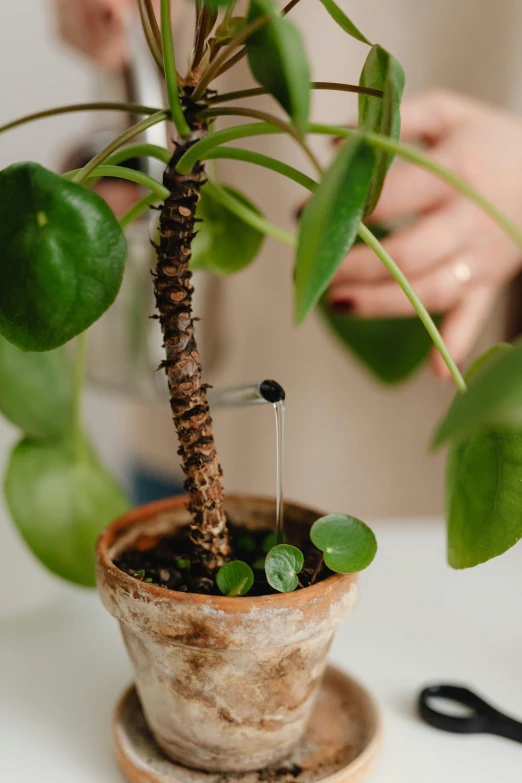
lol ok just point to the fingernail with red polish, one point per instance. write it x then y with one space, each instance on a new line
299 212
342 306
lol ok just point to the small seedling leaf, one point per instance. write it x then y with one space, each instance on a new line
348 544
235 578
282 565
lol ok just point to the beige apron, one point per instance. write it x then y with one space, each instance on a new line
351 445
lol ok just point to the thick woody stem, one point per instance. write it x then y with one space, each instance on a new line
173 291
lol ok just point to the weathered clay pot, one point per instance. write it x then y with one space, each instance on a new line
226 684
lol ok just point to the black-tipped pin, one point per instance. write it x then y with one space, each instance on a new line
272 391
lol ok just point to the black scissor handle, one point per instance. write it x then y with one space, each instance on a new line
484 719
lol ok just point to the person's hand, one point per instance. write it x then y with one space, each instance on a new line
455 256
97 28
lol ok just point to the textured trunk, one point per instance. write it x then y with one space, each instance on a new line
173 291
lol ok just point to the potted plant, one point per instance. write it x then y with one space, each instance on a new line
228 628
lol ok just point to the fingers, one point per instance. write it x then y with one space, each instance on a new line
439 290
431 115
416 249
462 327
409 190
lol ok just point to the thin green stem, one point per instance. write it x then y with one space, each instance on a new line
140 151
77 391
288 7
149 34
376 140
247 215
200 150
201 34
213 69
138 209
373 243
235 153
131 175
154 25
256 91
130 108
171 80
232 61
414 155
227 111
118 142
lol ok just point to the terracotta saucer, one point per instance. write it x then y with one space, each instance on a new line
340 746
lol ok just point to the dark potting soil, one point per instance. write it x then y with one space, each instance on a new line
170 562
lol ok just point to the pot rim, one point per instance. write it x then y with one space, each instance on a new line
239 604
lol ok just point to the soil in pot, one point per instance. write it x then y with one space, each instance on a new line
169 562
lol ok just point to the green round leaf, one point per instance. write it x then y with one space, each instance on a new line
330 221
494 395
278 61
224 243
347 543
60 505
62 254
34 390
381 115
282 565
484 464
483 495
235 578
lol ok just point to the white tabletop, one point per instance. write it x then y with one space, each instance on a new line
62 667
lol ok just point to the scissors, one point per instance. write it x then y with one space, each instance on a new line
483 718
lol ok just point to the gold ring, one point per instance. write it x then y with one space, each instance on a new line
462 272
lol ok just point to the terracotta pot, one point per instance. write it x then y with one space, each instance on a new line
226 684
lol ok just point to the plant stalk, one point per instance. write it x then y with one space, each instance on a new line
317 568
173 291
